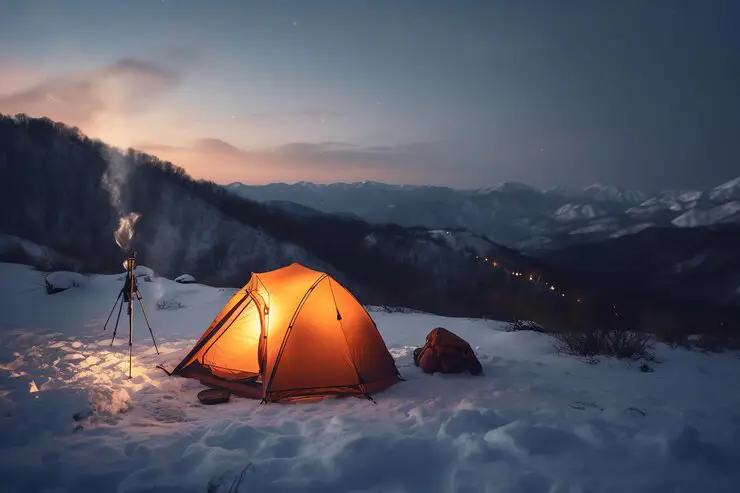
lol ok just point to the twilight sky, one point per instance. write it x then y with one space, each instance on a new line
462 93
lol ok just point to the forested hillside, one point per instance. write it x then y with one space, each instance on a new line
67 192
55 185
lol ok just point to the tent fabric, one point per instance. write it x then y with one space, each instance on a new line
288 333
446 352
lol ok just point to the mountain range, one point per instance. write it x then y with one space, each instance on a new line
513 214
63 195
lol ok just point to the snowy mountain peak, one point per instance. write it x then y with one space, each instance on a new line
513 186
510 213
728 211
507 187
727 191
607 193
570 212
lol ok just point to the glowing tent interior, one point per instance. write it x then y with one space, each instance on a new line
289 333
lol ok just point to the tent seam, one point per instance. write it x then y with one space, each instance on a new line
367 314
346 342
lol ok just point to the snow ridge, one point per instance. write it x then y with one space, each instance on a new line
727 191
706 217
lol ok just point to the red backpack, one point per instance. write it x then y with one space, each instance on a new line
445 352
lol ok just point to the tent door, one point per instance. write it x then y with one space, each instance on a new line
264 314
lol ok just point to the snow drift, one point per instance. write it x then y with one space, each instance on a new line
536 421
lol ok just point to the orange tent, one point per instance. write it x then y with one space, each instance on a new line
292 332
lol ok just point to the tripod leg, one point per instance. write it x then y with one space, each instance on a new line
130 332
118 319
147 322
111 310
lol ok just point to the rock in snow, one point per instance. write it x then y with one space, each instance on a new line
536 421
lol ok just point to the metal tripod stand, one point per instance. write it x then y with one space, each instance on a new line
127 293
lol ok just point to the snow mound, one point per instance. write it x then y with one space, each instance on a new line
62 280
185 279
144 271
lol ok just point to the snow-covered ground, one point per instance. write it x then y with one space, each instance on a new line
537 421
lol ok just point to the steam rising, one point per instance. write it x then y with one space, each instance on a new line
125 231
113 180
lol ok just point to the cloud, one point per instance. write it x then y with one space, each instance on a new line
125 87
304 114
326 154
215 159
14 76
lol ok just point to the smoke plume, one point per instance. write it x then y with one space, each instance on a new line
114 181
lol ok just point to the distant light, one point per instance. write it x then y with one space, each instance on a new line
552 288
531 277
